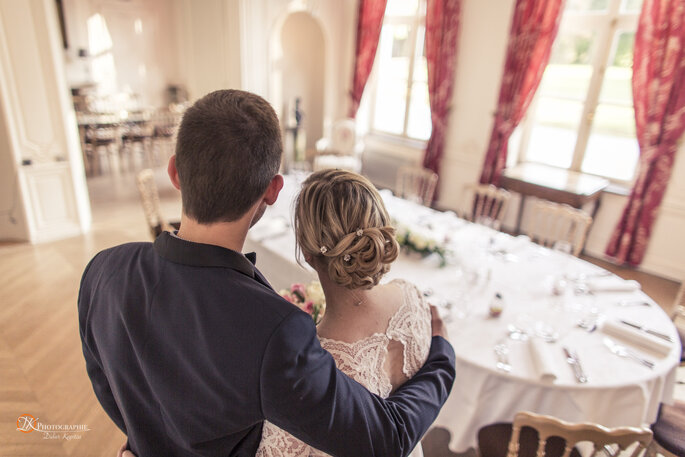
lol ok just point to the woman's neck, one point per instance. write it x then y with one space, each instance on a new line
341 302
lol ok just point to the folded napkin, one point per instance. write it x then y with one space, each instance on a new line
267 228
612 284
544 361
637 337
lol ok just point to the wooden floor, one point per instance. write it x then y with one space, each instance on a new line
42 372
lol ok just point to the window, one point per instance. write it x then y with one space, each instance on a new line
399 92
100 51
582 117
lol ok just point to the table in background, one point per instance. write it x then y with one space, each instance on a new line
553 184
619 392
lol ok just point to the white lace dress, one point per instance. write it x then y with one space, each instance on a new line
363 361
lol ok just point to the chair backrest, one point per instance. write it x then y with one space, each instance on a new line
679 318
343 137
484 204
150 200
601 438
416 184
552 222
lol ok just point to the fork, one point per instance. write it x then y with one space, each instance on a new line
502 352
623 351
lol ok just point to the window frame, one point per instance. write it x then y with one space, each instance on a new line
415 23
609 24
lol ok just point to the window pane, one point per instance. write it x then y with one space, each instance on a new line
390 104
419 122
612 149
394 52
554 133
587 5
617 86
632 5
400 41
569 71
401 7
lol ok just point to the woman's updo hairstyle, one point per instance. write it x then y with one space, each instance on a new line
340 218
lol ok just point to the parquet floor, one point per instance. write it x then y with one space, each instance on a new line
42 371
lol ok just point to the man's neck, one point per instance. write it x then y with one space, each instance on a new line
230 235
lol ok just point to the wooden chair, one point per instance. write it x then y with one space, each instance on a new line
601 439
165 124
679 318
101 148
136 145
484 204
416 184
552 223
150 199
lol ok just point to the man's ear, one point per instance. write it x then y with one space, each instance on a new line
173 172
275 186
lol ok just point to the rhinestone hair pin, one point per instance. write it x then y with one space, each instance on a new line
360 232
323 249
346 258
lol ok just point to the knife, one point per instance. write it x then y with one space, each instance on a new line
572 360
648 330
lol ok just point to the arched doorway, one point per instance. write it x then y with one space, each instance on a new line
302 71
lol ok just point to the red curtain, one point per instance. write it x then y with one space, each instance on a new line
532 33
659 101
442 30
369 23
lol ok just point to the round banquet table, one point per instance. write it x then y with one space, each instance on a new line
546 294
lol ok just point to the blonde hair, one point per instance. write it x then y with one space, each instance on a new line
341 219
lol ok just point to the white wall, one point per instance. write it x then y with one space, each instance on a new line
146 58
209 43
230 43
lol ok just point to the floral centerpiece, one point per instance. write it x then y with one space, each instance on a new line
420 241
309 298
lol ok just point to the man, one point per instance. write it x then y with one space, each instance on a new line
188 347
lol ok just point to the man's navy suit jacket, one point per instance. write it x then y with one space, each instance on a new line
189 350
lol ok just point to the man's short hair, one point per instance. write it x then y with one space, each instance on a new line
228 149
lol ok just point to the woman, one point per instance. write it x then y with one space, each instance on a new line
378 334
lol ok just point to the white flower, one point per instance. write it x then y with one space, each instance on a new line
315 293
418 241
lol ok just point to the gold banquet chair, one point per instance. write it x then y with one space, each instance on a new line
552 223
484 204
416 184
537 435
149 196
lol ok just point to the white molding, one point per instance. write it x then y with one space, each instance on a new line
52 204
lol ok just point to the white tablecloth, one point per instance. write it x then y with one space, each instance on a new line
481 262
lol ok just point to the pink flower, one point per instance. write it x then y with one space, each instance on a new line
288 297
308 307
298 291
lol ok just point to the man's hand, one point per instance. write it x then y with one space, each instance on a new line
439 328
123 452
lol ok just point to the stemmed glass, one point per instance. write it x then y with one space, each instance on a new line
565 249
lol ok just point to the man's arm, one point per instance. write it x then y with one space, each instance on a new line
97 376
305 394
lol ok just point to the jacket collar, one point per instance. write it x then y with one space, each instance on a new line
185 252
